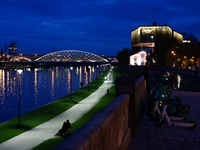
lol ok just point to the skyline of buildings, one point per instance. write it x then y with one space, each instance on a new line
143 37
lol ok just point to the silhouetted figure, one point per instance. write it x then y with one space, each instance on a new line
108 91
81 83
110 78
65 127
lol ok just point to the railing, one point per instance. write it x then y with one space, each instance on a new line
190 79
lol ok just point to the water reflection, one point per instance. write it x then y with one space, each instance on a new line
38 88
35 87
2 85
86 76
80 77
52 83
69 79
77 70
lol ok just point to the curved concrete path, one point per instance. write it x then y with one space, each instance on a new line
47 130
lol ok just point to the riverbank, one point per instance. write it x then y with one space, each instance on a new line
14 127
34 118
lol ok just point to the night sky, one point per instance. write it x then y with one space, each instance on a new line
102 27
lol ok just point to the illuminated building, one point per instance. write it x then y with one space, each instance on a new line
189 38
138 58
191 46
12 48
144 37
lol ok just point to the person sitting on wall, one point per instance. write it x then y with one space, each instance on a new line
65 127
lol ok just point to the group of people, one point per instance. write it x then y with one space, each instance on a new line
65 127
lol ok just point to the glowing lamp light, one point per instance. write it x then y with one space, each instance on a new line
71 68
19 71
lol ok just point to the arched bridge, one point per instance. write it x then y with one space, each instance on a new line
60 58
71 56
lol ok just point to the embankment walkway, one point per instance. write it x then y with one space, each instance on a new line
47 130
170 137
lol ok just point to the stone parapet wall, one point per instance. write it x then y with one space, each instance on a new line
108 130
140 91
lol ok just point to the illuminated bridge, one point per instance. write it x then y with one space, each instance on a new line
71 56
60 58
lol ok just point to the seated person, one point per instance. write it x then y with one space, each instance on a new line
66 125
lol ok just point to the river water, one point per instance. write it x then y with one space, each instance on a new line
39 87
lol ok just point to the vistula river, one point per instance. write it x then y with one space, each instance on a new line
39 87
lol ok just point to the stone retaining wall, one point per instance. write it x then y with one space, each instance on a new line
140 91
108 130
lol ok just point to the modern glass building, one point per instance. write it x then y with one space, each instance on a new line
191 45
144 37
189 38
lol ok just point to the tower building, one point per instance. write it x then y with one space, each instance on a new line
12 48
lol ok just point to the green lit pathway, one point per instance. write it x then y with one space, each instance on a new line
47 130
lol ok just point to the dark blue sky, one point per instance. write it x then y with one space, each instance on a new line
97 26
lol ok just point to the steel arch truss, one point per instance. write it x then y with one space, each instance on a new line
71 56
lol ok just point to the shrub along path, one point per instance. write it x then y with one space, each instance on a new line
37 135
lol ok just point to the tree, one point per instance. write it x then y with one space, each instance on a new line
164 45
124 56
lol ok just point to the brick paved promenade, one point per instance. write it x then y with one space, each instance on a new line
170 137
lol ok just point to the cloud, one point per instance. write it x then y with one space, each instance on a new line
104 23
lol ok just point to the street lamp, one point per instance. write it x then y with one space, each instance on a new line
71 68
89 77
19 72
97 75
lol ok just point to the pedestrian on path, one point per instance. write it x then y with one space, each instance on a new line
81 83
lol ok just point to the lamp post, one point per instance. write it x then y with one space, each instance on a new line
71 68
97 75
89 77
19 72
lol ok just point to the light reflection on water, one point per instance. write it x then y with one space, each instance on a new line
39 88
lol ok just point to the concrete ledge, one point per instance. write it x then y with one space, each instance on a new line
126 139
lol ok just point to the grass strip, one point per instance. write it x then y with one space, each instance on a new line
38 116
104 101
